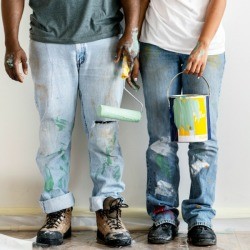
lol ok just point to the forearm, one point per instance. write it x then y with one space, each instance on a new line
213 19
12 11
131 9
143 8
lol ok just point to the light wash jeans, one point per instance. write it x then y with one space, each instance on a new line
60 73
158 67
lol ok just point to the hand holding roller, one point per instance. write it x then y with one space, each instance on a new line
119 113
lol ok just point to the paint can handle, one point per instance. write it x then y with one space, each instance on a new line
137 100
171 82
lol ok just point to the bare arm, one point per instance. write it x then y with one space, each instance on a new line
198 58
12 11
128 44
143 9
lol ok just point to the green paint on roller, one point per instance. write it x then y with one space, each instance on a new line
118 113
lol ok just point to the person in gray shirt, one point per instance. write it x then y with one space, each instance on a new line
76 49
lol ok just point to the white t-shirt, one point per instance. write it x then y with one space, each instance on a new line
175 25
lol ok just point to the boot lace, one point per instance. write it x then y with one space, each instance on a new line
53 220
116 205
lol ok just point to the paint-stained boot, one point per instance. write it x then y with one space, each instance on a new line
201 236
111 230
56 228
162 233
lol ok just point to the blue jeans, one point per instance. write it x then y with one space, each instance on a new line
61 73
158 67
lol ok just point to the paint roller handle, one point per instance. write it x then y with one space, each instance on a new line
134 98
171 82
127 73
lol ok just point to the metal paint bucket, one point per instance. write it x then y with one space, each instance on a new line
189 116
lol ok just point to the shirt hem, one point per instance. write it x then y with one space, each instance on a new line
211 52
72 41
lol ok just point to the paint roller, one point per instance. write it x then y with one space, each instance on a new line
120 113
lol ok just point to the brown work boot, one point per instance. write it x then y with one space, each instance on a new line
56 228
111 231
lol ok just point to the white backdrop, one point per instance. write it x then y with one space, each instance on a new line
20 181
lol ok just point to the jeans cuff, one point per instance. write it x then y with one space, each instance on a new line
199 223
96 203
173 222
57 203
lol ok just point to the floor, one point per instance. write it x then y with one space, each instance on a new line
232 234
86 240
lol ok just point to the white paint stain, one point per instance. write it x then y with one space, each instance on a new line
198 166
164 188
161 147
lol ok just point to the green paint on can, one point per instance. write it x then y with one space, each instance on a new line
184 111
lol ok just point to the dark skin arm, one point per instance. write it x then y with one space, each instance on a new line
198 57
128 45
12 11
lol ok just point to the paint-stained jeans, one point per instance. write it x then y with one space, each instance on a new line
158 67
61 73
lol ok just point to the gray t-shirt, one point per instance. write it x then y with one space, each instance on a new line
74 21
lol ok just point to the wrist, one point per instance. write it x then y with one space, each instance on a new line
203 43
131 31
12 45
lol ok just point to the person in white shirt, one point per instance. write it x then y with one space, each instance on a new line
180 36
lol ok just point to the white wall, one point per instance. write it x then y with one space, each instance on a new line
20 181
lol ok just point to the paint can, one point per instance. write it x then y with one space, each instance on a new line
189 116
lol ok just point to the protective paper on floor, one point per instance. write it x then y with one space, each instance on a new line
10 243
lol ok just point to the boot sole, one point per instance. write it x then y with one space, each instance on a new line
163 241
159 241
52 241
114 243
202 242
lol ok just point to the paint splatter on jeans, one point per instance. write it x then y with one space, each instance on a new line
61 73
158 67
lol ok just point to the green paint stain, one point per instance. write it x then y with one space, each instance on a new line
117 173
49 183
62 153
108 162
62 183
64 169
162 163
184 110
60 123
